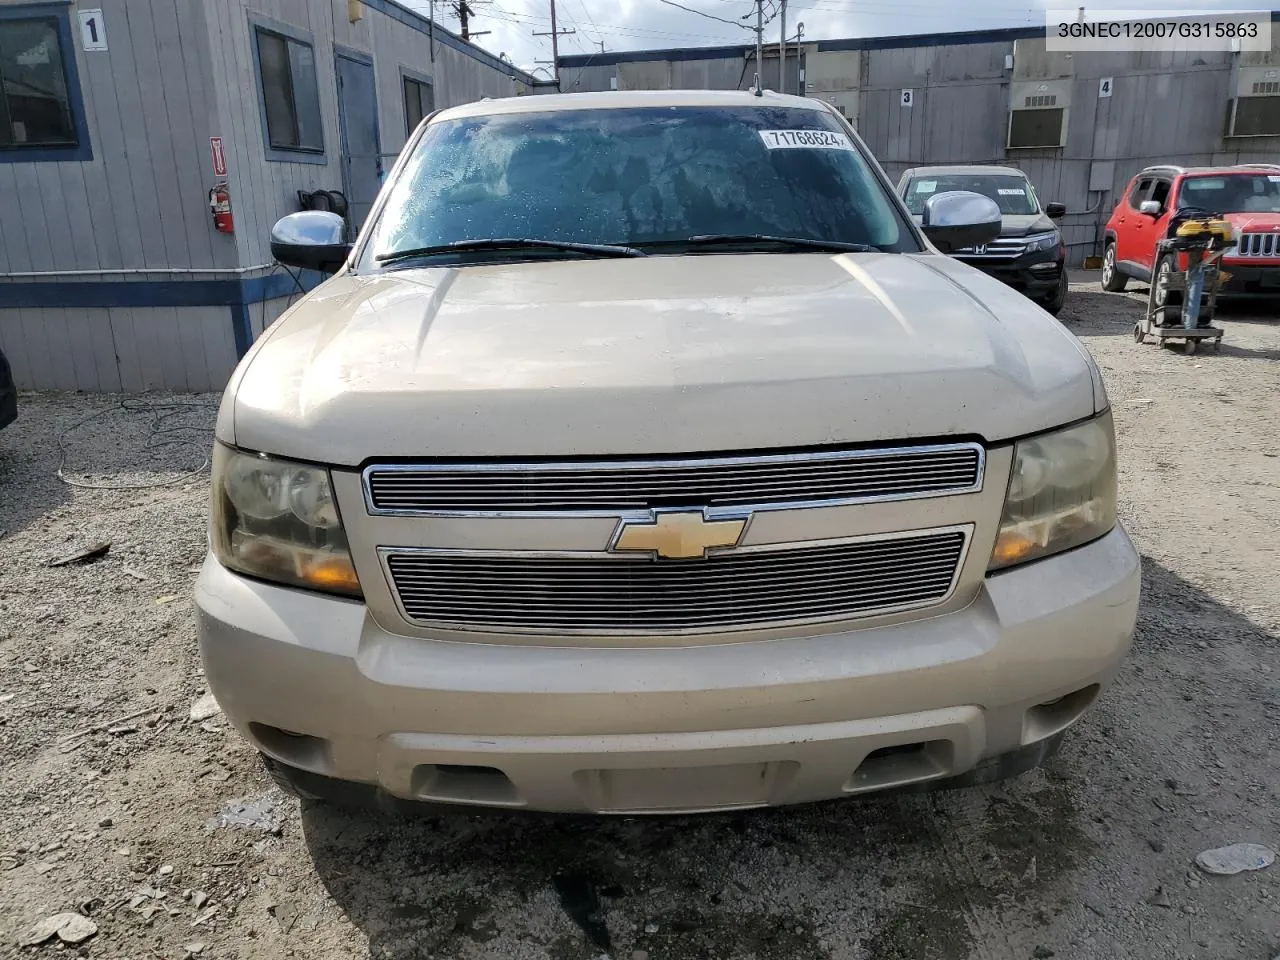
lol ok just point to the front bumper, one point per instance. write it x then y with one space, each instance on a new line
1251 280
1032 273
315 683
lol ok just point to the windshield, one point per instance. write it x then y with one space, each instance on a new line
634 177
1232 193
1013 193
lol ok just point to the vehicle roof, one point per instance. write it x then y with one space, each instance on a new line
966 170
1176 171
622 99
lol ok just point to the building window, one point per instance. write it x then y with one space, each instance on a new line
290 92
40 113
1036 127
419 102
1255 117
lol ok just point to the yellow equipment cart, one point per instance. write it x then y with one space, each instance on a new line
1198 243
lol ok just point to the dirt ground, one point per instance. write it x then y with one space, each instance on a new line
110 793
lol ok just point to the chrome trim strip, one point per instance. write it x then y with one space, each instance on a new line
711 513
385 553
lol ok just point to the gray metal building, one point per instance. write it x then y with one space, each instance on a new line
117 117
1079 124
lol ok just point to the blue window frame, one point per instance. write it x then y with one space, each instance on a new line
284 60
42 115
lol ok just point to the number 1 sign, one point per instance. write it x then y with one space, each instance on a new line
93 30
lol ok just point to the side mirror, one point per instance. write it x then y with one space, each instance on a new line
958 218
312 240
1150 207
1055 211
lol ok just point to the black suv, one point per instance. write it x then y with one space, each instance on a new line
1029 254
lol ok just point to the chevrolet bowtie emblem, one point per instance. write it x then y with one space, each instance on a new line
677 535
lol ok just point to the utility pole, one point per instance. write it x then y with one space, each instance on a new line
555 36
782 51
759 47
464 11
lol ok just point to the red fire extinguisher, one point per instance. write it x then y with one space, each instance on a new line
220 205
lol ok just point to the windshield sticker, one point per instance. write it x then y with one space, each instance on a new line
1011 192
926 186
1274 179
805 139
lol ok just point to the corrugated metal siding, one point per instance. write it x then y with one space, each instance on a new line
264 190
589 79
105 350
141 201
178 72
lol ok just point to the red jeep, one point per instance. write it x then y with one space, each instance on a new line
1159 198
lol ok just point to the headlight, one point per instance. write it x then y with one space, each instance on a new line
278 520
1062 493
1042 241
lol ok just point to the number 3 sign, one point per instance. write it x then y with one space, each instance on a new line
93 30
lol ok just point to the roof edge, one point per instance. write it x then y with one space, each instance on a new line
898 42
446 37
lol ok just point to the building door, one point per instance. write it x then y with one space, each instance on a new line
361 148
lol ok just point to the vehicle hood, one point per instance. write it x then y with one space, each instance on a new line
1019 225
1254 222
656 355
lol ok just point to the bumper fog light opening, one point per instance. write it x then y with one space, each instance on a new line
1054 716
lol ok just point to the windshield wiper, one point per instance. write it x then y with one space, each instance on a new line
736 239
510 243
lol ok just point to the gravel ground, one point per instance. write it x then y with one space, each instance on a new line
110 793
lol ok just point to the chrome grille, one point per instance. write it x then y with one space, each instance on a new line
1258 245
1001 248
785 479
597 594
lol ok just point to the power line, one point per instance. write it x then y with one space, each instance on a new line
607 28
709 16
592 20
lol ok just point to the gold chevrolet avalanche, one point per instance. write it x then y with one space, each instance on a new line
642 455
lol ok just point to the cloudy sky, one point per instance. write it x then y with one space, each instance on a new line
649 24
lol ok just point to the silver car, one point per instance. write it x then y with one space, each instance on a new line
643 456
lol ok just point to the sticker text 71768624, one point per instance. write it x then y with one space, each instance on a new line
805 140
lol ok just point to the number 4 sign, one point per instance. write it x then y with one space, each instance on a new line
1104 87
93 30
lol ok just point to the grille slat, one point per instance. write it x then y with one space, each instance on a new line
798 477
1258 245
777 603
593 594
747 562
587 591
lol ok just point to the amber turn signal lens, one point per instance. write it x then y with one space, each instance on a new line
1011 548
334 574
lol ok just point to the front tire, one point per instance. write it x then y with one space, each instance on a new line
1113 281
1057 300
